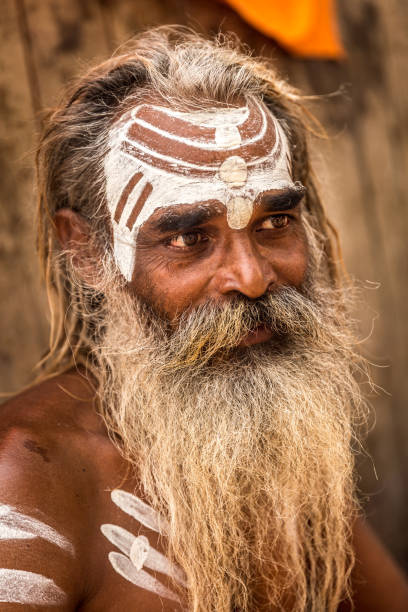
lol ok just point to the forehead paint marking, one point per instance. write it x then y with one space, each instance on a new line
22 587
17 526
234 171
201 128
126 193
147 190
229 155
239 212
153 149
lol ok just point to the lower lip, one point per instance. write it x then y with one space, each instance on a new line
260 334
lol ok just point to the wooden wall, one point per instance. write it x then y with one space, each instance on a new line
363 169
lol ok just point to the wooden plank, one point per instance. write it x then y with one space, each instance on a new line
22 308
66 37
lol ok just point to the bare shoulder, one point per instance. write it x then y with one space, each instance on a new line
49 438
47 432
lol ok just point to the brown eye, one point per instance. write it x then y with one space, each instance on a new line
275 222
185 240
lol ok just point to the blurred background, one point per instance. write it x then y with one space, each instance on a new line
357 47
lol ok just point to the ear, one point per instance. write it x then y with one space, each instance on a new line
75 235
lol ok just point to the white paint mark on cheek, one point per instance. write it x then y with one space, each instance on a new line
22 587
123 566
17 526
239 211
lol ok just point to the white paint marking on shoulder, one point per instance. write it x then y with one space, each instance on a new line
22 587
123 566
138 509
15 525
154 560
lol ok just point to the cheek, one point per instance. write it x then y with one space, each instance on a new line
168 291
291 264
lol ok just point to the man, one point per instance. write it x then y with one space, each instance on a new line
190 443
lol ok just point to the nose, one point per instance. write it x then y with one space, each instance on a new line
244 270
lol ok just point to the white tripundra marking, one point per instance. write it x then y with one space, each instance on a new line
22 587
15 525
137 551
159 157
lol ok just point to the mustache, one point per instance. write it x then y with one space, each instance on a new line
216 329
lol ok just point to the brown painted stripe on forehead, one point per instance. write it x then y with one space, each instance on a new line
160 118
253 123
173 125
125 194
173 167
182 152
147 190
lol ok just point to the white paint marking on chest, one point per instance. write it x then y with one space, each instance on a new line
123 566
22 587
137 508
137 550
15 525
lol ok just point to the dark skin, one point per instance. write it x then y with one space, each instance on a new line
56 460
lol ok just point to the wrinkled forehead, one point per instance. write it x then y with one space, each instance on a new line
160 157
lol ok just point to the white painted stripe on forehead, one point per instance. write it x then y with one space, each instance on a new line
22 587
212 117
137 508
17 526
211 146
185 164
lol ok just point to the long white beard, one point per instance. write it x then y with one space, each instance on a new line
246 453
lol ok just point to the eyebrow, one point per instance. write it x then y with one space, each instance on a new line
181 221
185 220
285 200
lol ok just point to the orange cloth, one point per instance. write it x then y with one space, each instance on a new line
307 28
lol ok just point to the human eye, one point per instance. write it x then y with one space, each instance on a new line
275 222
185 241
